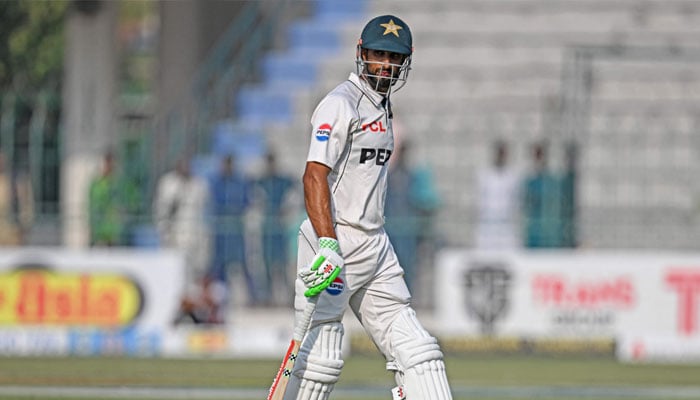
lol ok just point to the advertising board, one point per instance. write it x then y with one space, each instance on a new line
570 294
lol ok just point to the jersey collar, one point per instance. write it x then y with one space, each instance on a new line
371 94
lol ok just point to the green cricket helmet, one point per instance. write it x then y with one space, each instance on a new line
386 33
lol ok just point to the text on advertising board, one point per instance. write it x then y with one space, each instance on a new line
558 291
687 284
41 296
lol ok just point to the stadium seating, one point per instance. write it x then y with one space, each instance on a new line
309 43
485 70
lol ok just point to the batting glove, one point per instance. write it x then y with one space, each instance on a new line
325 267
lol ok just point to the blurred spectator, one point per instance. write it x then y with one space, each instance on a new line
231 197
180 216
275 189
498 202
16 205
541 203
205 303
567 194
411 202
112 203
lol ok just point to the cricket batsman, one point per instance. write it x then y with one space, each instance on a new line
345 256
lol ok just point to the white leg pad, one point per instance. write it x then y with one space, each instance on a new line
318 366
311 390
418 361
427 381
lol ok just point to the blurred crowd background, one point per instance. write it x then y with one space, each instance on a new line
524 124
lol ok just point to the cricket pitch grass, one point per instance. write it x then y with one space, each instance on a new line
480 377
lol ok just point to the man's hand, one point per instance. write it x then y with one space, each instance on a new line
325 267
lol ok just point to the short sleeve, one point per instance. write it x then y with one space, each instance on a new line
330 123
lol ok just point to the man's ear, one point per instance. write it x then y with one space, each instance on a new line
363 54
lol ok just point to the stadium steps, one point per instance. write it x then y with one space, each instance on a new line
295 68
276 110
485 70
644 165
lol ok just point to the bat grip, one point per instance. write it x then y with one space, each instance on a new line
303 324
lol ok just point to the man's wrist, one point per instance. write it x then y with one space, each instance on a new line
329 243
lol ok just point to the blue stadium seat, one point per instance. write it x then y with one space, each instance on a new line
246 143
290 68
312 33
261 104
339 9
286 71
227 136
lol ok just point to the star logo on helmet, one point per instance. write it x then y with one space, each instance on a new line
391 27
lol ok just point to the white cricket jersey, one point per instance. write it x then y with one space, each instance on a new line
352 134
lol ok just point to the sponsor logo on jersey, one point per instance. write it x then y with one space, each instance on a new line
377 156
376 126
336 287
323 133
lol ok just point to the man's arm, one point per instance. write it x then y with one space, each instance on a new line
327 263
317 197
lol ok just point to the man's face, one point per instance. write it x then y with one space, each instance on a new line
382 67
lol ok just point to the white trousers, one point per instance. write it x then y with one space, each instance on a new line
371 282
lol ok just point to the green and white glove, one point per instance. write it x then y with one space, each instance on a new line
324 268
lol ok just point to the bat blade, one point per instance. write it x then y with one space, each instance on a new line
279 385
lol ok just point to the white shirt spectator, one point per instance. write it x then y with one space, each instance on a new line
498 205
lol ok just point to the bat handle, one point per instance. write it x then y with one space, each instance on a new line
303 324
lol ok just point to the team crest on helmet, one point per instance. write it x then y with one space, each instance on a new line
391 27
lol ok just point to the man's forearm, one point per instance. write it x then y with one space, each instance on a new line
317 197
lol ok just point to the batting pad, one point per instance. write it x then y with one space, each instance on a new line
427 381
320 362
418 360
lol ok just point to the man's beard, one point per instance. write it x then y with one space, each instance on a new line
380 84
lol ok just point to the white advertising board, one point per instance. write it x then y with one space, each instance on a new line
568 294
95 301
642 347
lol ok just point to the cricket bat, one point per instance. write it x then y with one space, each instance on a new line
279 385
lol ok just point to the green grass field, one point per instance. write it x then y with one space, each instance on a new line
482 377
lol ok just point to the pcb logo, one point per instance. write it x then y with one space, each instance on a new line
487 294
